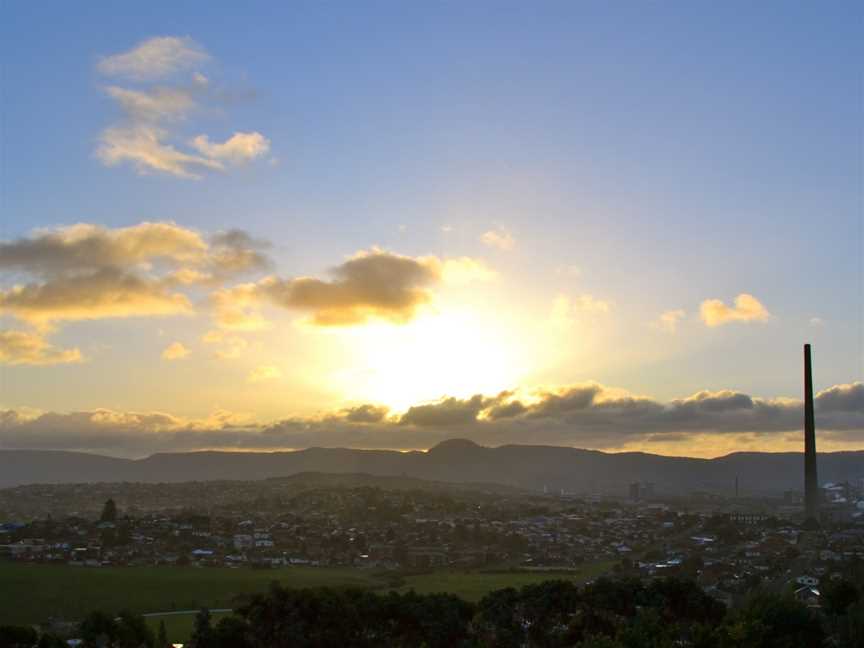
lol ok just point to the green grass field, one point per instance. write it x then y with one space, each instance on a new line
32 593
474 585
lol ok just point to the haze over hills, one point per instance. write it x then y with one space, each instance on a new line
456 460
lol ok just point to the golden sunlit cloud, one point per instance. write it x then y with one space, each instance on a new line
104 294
498 238
175 351
230 347
566 310
746 309
264 373
371 285
29 348
669 320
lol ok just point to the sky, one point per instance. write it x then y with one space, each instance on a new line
385 224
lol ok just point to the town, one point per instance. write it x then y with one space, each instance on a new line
729 546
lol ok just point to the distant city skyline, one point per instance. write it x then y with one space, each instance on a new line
383 226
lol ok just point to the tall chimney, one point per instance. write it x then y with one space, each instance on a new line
811 481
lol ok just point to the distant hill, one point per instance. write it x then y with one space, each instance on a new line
456 460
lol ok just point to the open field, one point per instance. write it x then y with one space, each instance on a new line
32 593
474 585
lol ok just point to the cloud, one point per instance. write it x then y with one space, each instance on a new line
86 272
365 413
88 247
230 347
144 148
147 138
566 310
816 322
175 351
29 348
842 398
103 294
498 238
448 411
239 308
160 103
590 304
466 270
155 58
238 149
746 309
264 373
669 320
587 415
373 284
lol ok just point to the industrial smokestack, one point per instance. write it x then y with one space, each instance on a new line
811 481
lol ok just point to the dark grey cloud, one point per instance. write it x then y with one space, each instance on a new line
607 419
449 411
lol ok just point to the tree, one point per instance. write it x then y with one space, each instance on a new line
17 636
232 632
162 637
133 632
202 632
839 595
774 621
109 512
98 630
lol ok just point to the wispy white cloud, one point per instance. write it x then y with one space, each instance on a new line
155 58
237 149
147 138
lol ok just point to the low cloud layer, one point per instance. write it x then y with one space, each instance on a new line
584 415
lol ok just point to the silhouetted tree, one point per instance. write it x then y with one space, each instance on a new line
202 631
17 636
133 632
162 637
232 632
837 596
98 630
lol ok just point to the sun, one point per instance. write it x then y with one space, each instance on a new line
455 353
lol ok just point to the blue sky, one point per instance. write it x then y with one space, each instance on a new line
674 153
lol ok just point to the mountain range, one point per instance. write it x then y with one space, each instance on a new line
455 460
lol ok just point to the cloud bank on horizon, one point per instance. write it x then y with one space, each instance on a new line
587 415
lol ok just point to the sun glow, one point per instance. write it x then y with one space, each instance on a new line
458 353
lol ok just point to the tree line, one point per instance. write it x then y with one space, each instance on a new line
609 613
